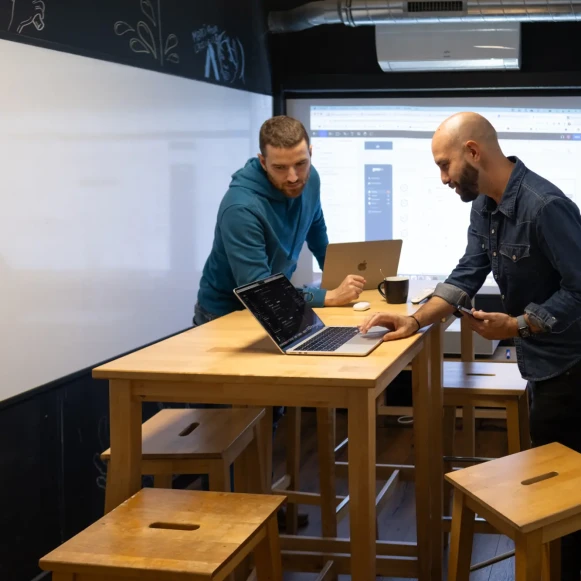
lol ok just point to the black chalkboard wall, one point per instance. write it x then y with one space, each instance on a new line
51 478
218 41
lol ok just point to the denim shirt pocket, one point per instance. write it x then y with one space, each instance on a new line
515 252
517 264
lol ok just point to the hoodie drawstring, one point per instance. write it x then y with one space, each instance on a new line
298 225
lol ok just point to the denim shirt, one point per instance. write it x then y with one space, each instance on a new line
532 243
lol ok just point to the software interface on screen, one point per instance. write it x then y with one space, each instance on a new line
379 179
281 309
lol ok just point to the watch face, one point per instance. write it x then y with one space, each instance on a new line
523 329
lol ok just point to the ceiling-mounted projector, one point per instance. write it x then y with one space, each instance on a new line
454 46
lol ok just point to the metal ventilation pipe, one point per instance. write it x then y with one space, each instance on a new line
372 12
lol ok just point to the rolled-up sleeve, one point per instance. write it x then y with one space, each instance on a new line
559 234
452 295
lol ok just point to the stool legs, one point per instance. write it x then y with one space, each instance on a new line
267 555
461 539
254 465
552 561
219 476
513 427
249 478
523 419
533 559
468 432
528 556
448 433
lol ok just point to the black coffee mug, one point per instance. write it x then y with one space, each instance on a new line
394 289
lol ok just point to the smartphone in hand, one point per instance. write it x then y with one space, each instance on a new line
464 310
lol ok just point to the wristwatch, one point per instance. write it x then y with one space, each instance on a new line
523 328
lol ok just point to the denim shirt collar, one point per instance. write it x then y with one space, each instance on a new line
508 202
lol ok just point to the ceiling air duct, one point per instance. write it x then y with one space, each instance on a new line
428 35
374 12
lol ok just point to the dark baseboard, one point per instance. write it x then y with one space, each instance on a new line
53 480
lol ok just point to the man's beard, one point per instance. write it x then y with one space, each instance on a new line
290 192
467 185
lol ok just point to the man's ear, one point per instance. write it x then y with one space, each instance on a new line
473 150
311 150
262 160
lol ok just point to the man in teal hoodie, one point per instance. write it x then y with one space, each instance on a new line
271 208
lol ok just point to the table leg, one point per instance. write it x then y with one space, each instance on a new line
437 449
422 408
362 459
125 440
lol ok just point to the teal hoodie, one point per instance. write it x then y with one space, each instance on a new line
260 232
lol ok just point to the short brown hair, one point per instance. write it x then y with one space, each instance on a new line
283 132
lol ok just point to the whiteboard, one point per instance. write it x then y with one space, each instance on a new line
110 181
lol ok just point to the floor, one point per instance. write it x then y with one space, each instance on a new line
397 521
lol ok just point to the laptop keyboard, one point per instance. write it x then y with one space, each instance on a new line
329 339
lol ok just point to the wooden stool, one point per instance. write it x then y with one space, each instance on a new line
533 497
165 535
201 441
483 384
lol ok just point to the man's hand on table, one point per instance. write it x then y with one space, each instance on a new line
347 292
398 326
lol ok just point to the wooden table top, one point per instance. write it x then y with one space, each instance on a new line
236 349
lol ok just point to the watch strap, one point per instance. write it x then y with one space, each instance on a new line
523 328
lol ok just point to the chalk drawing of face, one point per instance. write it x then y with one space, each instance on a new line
26 13
230 57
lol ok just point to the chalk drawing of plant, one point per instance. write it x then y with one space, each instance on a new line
147 36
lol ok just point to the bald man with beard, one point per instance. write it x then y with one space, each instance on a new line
528 233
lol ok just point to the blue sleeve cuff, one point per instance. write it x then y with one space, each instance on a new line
541 317
315 297
453 296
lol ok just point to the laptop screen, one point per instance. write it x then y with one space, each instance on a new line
280 308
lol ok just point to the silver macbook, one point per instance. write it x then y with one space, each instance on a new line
293 325
369 259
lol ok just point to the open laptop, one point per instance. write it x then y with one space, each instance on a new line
369 259
293 325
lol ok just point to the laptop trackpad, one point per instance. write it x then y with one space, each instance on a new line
363 344
374 333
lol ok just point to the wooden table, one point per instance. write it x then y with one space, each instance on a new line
232 361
